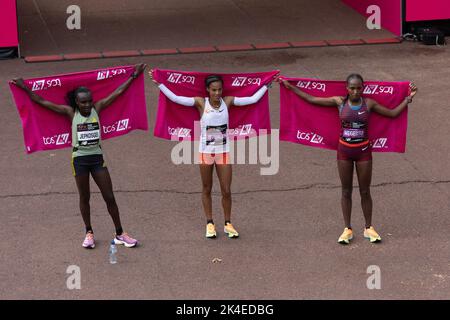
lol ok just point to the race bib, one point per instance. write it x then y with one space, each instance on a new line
353 133
88 134
216 135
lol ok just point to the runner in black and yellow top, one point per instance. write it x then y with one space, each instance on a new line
354 149
87 153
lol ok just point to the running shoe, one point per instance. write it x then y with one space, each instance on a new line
230 230
211 230
126 240
372 235
346 236
89 242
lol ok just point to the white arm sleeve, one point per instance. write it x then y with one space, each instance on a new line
250 100
184 101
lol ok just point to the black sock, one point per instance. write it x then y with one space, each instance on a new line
209 221
227 221
119 231
89 229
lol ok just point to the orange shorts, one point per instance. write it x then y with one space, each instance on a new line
218 158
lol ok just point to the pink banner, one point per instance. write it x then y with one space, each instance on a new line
44 129
391 12
419 10
174 121
8 24
317 126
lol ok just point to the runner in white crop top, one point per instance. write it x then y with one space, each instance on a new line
214 144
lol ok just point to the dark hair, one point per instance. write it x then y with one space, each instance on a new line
355 76
212 78
72 96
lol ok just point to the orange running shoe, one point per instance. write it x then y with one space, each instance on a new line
210 230
230 230
372 235
346 236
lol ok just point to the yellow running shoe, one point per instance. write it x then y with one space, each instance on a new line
230 230
211 230
372 235
346 236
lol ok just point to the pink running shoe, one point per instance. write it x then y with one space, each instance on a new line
126 240
89 242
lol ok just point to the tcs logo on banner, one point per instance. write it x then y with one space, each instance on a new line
117 126
179 132
312 85
310 136
45 84
179 78
380 143
58 139
102 75
245 81
377 89
242 130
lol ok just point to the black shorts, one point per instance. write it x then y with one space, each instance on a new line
82 165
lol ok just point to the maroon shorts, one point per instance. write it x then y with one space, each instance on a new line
356 152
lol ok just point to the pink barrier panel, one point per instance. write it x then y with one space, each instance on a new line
419 10
391 12
8 24
44 129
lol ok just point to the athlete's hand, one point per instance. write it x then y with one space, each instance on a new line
286 83
150 73
413 89
139 68
275 78
19 82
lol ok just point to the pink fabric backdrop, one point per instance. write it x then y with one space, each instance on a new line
44 129
317 126
174 121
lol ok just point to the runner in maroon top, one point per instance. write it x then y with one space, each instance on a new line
354 149
354 139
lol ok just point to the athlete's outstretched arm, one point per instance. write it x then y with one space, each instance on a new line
197 102
326 102
59 108
103 103
392 113
245 101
